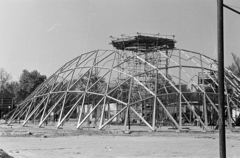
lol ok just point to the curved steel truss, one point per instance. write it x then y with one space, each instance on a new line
133 87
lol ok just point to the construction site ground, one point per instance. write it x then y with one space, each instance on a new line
68 142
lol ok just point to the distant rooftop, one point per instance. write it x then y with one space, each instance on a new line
143 42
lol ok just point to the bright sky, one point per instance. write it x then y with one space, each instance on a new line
43 35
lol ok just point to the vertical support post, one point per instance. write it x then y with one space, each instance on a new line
190 116
117 109
12 104
167 63
180 92
119 76
108 110
129 126
109 116
84 107
126 118
128 107
155 99
89 107
204 95
222 136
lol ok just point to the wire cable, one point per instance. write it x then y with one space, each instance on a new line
231 9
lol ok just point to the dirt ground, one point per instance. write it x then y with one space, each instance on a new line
49 142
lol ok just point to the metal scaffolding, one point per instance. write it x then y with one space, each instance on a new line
145 80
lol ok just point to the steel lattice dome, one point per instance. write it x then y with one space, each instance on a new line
143 83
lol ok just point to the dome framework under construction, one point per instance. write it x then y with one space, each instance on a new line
145 80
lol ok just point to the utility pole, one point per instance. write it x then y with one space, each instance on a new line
220 32
222 136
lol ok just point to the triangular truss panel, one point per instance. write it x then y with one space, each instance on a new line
146 80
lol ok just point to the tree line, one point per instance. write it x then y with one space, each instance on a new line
19 90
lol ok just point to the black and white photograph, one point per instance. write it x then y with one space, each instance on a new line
119 79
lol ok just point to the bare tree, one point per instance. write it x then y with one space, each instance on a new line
235 67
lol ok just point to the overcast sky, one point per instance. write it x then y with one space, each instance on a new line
43 35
